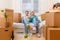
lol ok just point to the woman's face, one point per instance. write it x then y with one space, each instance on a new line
32 13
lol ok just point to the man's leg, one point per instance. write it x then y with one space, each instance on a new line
26 30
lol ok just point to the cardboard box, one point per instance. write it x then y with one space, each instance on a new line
10 16
43 16
9 12
17 17
6 33
53 34
45 30
52 19
2 22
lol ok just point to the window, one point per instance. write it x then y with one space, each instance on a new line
36 6
30 5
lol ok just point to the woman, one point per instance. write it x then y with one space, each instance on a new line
34 19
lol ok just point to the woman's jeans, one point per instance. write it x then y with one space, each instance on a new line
37 29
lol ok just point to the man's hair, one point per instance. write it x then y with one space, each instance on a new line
26 11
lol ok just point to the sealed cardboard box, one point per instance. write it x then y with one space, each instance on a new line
53 34
17 17
52 19
45 30
6 33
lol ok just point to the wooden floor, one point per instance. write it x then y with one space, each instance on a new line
20 36
33 37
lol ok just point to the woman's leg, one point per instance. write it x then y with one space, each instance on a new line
37 29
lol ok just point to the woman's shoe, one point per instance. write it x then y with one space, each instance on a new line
38 35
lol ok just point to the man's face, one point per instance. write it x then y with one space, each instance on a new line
27 13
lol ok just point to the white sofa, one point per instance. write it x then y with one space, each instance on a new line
19 27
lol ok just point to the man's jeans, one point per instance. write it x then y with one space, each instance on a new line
26 29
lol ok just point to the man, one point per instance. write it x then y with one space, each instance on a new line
25 20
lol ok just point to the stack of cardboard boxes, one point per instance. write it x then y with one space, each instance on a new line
6 32
52 21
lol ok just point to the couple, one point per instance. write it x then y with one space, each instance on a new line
30 19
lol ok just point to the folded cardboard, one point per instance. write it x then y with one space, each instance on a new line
53 34
17 17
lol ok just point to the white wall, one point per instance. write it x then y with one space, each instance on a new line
17 5
2 4
8 4
45 5
5 4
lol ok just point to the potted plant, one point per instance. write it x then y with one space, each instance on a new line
6 18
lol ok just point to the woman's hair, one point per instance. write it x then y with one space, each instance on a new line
56 5
32 11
